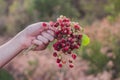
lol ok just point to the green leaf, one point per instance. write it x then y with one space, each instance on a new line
85 40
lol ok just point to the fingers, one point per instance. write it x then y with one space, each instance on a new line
40 44
48 36
51 28
43 32
45 26
51 32
43 40
37 28
37 42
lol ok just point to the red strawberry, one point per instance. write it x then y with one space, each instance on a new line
74 56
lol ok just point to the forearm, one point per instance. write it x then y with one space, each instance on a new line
9 50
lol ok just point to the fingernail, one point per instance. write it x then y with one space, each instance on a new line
52 39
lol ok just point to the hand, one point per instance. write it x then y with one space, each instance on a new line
36 34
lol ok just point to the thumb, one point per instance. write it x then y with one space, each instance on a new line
37 28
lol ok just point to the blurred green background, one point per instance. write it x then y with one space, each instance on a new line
101 20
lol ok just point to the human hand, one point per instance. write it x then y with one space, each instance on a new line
37 34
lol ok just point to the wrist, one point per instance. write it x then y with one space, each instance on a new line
23 40
19 40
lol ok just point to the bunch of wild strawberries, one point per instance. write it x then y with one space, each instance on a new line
68 37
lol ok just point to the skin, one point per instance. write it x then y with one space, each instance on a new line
33 34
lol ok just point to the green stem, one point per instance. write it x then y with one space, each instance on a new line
25 51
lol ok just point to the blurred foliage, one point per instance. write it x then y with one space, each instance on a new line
103 52
4 75
47 11
98 60
113 9
116 50
93 9
17 14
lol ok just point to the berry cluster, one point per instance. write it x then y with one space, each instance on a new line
68 37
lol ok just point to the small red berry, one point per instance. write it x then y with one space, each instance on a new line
66 20
66 31
58 60
44 24
63 40
51 23
55 54
70 61
66 48
68 44
72 47
79 36
63 45
67 24
76 46
60 65
71 40
56 24
71 65
74 56
59 20
62 25
77 27
69 52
